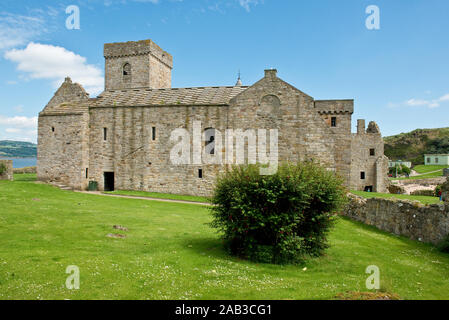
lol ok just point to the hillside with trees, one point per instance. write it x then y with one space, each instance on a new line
413 145
17 149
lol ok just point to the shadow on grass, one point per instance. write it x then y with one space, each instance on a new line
211 247
403 239
24 177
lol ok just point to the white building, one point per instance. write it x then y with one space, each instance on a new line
392 164
436 159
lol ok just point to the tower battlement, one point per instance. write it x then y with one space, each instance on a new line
137 64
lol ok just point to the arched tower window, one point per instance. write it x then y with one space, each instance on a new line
209 134
126 72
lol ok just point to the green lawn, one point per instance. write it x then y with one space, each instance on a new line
171 253
425 172
425 169
422 199
159 195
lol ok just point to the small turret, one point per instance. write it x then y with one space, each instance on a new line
239 81
360 126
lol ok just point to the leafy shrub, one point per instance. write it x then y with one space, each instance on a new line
2 168
278 218
429 193
405 169
437 191
399 169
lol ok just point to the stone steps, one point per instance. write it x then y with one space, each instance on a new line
62 186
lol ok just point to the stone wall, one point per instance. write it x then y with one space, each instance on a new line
63 148
374 166
342 111
150 66
25 170
9 173
141 163
422 182
402 217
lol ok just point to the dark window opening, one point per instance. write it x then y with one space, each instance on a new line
200 173
210 140
52 129
333 121
105 134
127 69
369 189
362 175
87 173
153 133
436 160
428 160
109 181
372 152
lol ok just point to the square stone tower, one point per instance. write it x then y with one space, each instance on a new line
137 64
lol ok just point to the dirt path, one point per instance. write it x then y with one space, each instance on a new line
98 193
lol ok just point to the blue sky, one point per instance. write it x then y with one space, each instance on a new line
397 75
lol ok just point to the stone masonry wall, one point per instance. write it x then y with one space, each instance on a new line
361 160
62 154
342 110
150 65
9 173
402 217
141 163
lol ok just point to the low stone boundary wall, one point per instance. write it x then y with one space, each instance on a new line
423 182
8 173
411 219
25 170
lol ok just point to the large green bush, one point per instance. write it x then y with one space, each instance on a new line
2 168
277 218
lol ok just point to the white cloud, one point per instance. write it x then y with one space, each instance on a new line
41 61
19 122
246 4
16 30
435 103
18 128
19 29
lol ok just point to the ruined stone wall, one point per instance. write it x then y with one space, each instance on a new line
8 174
62 154
362 161
402 217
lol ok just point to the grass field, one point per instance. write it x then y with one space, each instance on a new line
422 199
171 253
159 195
425 169
425 172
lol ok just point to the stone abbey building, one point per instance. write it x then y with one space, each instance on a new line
121 139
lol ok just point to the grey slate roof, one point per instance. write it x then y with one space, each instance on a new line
201 96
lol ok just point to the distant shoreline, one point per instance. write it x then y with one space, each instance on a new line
12 158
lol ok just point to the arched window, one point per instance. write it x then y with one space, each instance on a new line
209 137
126 71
